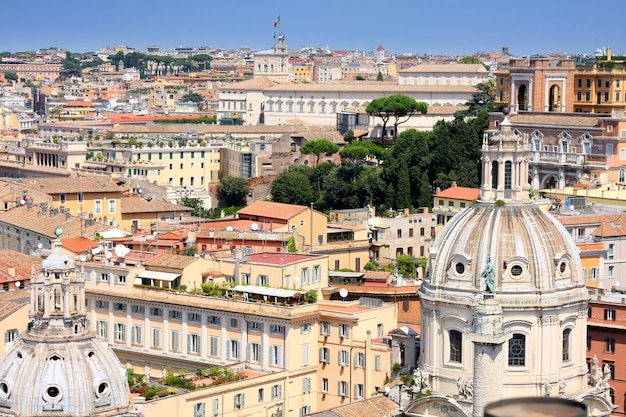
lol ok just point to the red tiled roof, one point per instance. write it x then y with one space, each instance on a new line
171 261
271 210
459 193
78 244
281 258
22 263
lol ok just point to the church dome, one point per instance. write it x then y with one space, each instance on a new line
59 366
529 249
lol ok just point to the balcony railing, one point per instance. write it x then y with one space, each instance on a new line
568 158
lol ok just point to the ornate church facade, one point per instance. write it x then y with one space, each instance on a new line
503 302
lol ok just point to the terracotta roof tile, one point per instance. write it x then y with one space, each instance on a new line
459 193
166 260
269 209
78 244
22 263
429 68
553 119
71 185
136 204
7 308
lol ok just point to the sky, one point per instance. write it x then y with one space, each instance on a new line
455 27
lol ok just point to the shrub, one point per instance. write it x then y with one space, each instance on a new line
500 203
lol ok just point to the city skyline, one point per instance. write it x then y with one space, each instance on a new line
416 27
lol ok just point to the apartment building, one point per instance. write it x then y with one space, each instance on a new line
585 85
448 202
405 234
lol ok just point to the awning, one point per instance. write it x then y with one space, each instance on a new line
156 275
271 292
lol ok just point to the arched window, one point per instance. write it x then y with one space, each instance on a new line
494 174
517 350
565 345
456 346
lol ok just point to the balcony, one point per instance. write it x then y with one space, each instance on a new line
572 160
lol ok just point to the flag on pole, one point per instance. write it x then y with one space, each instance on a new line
277 22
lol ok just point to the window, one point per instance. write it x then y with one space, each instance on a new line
344 330
193 343
324 385
324 355
175 315
239 401
399 233
610 345
304 349
344 358
232 349
215 406
214 346
359 360
119 307
276 355
306 384
565 344
277 391
517 350
325 328
261 395
175 341
611 271
101 328
234 323
255 326
378 363
103 276
254 352
380 330
277 329
136 333
156 312
214 320
305 410
456 347
358 391
305 328
120 279
10 336
97 207
609 314
343 389
245 279
198 410
120 332
317 273
193 317
262 280
111 205
80 197
156 337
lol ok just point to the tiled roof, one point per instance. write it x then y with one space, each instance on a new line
591 219
8 307
372 87
33 220
283 258
269 209
22 263
459 193
554 120
71 185
78 104
136 204
78 244
166 260
430 68
258 83
380 406
10 191
613 228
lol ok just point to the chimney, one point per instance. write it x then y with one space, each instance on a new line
609 54
11 271
425 210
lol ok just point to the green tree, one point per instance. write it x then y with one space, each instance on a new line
379 77
318 147
234 190
11 76
293 186
482 100
398 106
196 204
194 97
71 67
354 154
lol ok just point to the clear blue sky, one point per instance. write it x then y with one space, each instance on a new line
404 26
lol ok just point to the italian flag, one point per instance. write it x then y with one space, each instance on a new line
277 22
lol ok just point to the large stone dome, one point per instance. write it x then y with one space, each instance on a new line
59 367
530 250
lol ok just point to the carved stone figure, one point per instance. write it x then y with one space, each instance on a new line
606 375
489 275
547 387
562 387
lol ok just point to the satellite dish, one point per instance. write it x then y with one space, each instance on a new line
39 246
571 207
387 389
229 228
108 254
254 227
121 250
22 202
83 258
18 284
617 284
343 293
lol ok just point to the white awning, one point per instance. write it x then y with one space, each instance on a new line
157 275
269 291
